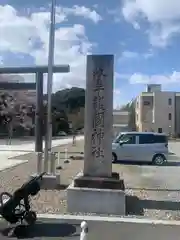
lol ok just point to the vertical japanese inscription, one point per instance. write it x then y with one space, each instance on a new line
98 114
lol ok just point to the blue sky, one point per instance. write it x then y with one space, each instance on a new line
143 36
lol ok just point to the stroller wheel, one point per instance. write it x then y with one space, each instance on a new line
19 231
30 217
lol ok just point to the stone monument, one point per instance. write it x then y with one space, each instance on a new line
97 189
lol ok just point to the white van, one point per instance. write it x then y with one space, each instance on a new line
140 146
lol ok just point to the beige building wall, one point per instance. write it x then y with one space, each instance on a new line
156 111
120 117
138 113
177 114
164 113
147 113
144 112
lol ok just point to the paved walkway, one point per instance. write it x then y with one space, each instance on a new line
100 229
9 152
30 147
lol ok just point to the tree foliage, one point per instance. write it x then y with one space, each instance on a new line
130 107
66 105
14 116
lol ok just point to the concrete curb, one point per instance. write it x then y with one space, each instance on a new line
108 219
13 165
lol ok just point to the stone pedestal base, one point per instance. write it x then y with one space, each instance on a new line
49 181
96 195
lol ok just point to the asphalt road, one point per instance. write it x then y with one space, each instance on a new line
70 230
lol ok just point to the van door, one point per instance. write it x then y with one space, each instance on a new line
145 147
127 147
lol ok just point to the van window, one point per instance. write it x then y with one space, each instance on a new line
126 138
146 138
160 139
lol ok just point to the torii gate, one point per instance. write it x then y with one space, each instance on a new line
38 71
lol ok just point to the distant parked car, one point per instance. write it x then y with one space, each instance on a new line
140 146
62 134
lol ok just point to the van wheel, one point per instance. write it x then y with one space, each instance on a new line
114 158
159 159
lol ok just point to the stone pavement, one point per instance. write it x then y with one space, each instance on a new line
7 159
30 146
99 229
9 153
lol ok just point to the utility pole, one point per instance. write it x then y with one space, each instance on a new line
48 138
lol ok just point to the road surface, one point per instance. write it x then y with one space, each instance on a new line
98 230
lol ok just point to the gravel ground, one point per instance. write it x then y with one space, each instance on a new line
151 191
47 201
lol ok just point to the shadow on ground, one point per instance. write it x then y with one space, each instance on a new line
140 163
58 187
160 205
41 229
133 206
136 206
81 157
172 164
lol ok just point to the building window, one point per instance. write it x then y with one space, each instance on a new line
159 130
137 117
170 101
137 103
146 103
169 116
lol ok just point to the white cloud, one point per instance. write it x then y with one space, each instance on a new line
127 55
83 12
139 78
162 16
122 76
117 91
148 54
30 35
